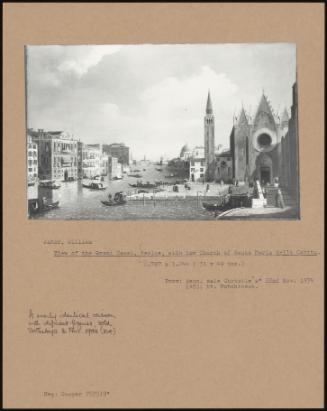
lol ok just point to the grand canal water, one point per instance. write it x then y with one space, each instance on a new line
79 203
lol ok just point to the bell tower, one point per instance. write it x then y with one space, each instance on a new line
209 139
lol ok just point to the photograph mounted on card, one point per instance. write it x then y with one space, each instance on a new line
162 132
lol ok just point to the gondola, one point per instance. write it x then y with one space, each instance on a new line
145 185
35 208
213 206
222 203
113 203
94 186
49 184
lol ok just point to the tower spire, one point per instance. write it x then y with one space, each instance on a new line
209 104
209 140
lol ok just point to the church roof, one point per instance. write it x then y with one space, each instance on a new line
285 116
184 149
264 106
242 117
209 104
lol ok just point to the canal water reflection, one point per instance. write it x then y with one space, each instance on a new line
80 203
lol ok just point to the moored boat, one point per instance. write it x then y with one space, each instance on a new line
222 203
113 203
49 184
143 185
37 206
94 185
119 199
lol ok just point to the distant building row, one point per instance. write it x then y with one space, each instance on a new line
198 166
56 155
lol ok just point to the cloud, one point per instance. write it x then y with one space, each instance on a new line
173 109
82 58
152 97
186 96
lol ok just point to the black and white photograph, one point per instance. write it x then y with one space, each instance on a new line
162 132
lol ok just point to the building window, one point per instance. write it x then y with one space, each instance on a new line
201 175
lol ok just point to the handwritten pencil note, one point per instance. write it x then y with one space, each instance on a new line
71 323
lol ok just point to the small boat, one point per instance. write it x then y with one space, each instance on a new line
135 175
94 186
212 206
113 203
50 206
119 199
117 178
143 185
223 203
159 169
37 206
49 184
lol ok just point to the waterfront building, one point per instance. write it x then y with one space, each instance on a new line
198 163
119 151
224 167
114 167
57 154
92 160
80 159
104 165
32 160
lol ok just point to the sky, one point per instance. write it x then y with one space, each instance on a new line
153 97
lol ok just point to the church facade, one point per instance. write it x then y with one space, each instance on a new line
263 148
256 145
